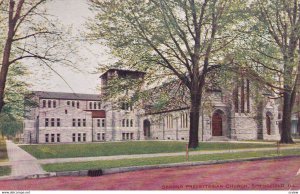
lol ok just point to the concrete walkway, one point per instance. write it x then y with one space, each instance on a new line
119 157
22 163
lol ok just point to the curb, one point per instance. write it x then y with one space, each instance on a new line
137 168
172 165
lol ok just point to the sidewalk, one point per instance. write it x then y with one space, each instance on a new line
22 163
118 157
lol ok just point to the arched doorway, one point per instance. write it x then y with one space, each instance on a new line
268 124
217 124
146 128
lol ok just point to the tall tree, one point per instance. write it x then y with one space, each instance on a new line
27 32
185 39
276 33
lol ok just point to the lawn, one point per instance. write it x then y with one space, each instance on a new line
5 170
3 151
127 148
72 166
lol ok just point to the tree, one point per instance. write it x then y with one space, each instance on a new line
9 125
185 39
27 32
273 51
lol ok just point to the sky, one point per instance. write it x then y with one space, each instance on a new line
71 13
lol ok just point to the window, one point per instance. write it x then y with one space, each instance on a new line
58 137
79 122
49 103
77 104
242 100
73 104
66 111
131 123
68 103
74 137
46 122
103 136
170 121
95 105
58 122
127 122
54 104
99 105
98 122
52 122
84 137
79 137
52 137
74 123
44 103
103 122
83 122
46 138
123 123
184 120
125 106
91 105
98 136
127 135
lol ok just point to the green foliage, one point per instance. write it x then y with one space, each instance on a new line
3 150
161 38
9 125
5 170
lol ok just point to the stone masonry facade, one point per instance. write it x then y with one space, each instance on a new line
80 118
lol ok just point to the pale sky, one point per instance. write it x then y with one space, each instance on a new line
75 13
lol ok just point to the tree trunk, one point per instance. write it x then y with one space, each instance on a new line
298 126
286 119
6 53
194 117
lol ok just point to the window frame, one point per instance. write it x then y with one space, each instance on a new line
52 123
47 138
46 122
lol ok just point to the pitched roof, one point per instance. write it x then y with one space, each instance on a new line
64 95
123 71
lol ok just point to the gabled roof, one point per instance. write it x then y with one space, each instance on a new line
66 96
122 71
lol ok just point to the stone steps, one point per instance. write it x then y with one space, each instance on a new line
219 138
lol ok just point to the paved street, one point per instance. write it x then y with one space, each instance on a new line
254 175
23 164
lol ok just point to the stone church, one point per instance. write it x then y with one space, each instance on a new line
71 117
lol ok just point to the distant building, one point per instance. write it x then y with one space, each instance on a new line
69 117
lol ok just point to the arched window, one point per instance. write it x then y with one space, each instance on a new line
127 122
131 123
123 123
269 123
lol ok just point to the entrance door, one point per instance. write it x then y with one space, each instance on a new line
268 120
217 124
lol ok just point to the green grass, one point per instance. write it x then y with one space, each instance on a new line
5 170
3 151
72 166
127 148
